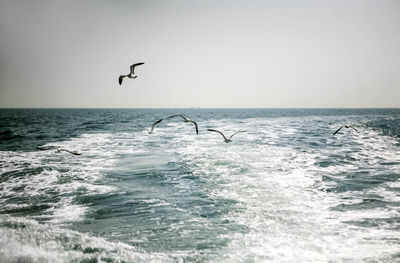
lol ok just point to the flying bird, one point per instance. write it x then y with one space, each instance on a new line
131 75
58 148
151 131
186 120
345 126
225 139
68 151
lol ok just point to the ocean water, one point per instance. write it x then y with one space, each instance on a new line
286 190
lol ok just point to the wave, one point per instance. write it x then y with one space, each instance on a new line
387 126
8 135
286 190
25 240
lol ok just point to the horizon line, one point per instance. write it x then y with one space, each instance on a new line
166 108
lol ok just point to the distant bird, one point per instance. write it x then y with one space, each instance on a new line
186 120
225 139
344 126
58 148
131 75
151 131
68 151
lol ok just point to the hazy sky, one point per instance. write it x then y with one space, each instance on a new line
205 53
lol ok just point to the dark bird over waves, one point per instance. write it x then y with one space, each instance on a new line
345 126
151 131
225 139
58 148
186 120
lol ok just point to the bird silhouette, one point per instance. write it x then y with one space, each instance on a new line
58 148
131 75
225 139
345 126
151 131
186 120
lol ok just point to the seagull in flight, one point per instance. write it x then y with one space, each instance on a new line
225 139
186 120
68 151
58 148
345 126
151 131
131 75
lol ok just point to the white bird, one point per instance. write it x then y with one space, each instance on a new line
58 148
151 131
225 139
131 75
186 120
345 126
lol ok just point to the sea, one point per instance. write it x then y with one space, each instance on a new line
284 190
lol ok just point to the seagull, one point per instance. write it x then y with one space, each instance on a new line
58 148
345 126
153 126
186 120
131 75
225 139
71 152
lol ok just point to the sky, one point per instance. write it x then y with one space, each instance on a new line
205 53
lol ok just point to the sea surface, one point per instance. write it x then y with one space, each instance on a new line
286 190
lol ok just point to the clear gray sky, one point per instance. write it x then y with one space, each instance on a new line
205 53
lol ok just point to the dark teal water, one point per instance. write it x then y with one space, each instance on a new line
286 190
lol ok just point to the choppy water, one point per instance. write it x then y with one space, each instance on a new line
284 191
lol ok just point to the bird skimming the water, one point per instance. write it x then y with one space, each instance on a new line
345 126
151 131
68 151
225 139
58 148
186 120
131 75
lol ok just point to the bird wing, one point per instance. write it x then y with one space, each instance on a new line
354 129
235 133
173 116
134 65
178 115
338 130
197 128
218 132
154 125
121 78
68 151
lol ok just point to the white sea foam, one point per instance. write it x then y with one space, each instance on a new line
28 241
51 173
281 175
289 219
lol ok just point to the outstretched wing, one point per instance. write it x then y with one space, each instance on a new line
218 132
338 130
71 152
154 125
235 133
121 78
197 128
178 115
354 129
134 65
